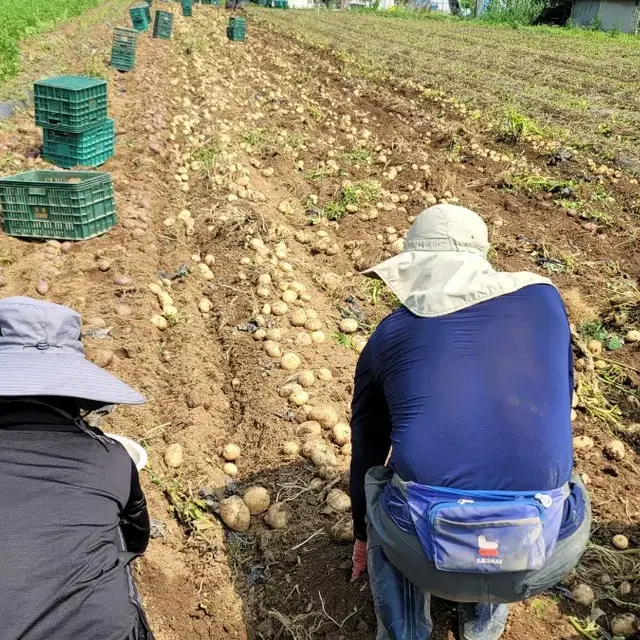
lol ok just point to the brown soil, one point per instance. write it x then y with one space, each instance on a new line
273 103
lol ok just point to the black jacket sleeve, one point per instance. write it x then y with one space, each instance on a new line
370 437
135 517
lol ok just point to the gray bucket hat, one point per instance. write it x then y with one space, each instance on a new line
41 354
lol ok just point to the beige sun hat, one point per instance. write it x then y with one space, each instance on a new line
443 267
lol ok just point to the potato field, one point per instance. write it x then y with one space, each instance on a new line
254 181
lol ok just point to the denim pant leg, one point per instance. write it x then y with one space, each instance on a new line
402 608
482 621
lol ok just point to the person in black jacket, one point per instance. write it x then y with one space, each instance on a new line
72 513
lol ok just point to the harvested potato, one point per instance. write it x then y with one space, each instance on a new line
278 515
264 279
341 434
306 379
316 485
231 452
272 349
159 322
338 500
324 375
205 305
583 594
322 455
310 444
173 456
620 542
299 398
359 343
289 296
290 362
274 334
257 499
303 340
624 625
287 390
345 450
259 334
263 292
318 337
595 347
313 324
615 450
328 472
348 325
230 469
342 531
235 513
298 318
633 336
290 448
309 428
325 416
279 308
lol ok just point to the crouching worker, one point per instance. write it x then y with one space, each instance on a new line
72 514
468 387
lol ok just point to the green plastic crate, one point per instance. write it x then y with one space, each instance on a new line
70 103
63 205
235 36
140 17
90 148
187 8
122 60
123 51
163 25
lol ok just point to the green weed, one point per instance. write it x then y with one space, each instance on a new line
357 193
357 157
320 173
516 126
531 182
209 155
343 340
594 330
379 293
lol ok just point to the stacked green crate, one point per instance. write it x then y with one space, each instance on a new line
187 8
237 29
140 17
123 50
91 148
72 111
163 25
63 205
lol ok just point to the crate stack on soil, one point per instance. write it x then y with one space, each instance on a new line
237 29
72 111
187 8
123 50
61 205
140 16
163 25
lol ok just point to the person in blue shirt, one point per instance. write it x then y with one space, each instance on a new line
462 478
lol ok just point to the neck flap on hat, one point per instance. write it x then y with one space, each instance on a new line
443 268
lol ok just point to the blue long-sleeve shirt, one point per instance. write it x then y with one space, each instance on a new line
477 399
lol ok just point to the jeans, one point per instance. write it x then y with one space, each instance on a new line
403 579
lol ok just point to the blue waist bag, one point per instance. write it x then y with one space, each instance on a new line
485 531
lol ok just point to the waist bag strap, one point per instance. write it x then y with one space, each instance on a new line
485 531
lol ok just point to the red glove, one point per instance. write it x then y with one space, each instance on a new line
359 559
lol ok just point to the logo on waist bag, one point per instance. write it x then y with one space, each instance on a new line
488 552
